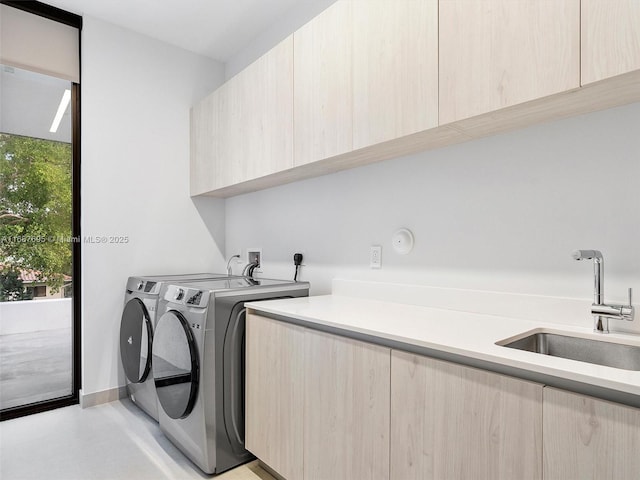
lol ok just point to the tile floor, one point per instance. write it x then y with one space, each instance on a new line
113 441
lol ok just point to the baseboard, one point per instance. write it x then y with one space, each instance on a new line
270 470
105 396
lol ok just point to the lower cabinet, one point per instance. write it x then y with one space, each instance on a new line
334 389
327 407
274 394
587 438
346 405
450 422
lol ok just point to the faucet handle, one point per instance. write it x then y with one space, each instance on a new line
627 311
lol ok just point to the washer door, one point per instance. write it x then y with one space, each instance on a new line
135 341
175 365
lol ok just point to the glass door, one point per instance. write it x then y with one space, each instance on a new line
36 242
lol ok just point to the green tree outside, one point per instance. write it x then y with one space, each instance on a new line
11 287
35 207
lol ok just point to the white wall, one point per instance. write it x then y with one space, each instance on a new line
136 95
502 213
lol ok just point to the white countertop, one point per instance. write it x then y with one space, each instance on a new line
471 335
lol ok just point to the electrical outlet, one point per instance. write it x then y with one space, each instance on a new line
253 255
375 256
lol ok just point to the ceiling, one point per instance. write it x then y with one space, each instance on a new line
217 29
29 103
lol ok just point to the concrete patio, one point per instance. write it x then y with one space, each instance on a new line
35 363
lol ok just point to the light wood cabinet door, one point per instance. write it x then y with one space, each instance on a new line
395 69
210 168
323 89
274 394
260 117
498 53
586 438
244 130
449 421
346 428
202 145
610 38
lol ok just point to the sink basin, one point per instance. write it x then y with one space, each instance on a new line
599 352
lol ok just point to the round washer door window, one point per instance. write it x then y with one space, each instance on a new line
135 341
175 365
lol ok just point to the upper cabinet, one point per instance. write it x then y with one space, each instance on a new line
369 80
610 38
498 53
323 90
263 129
243 130
365 72
204 139
395 69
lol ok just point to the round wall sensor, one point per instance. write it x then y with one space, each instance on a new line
402 241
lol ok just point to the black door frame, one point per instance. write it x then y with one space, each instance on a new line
73 20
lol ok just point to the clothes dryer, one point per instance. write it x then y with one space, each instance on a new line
198 365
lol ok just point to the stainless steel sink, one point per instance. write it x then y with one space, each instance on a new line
609 354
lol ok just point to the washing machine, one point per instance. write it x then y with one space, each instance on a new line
198 365
136 334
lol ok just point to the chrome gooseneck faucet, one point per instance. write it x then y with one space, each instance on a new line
601 311
229 270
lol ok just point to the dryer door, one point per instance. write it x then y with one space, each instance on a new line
175 365
135 341
233 378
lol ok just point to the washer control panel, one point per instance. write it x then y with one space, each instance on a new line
190 297
141 285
